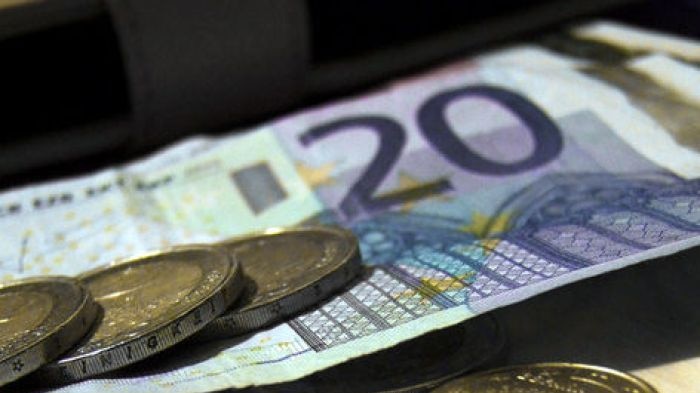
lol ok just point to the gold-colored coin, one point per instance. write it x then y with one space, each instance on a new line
40 318
151 303
548 378
288 270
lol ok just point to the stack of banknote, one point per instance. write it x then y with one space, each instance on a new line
470 187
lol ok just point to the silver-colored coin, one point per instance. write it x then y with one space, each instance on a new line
150 303
40 318
288 271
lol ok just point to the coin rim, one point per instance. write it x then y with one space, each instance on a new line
352 254
230 287
43 346
237 321
624 375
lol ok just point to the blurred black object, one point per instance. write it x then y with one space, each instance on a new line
88 83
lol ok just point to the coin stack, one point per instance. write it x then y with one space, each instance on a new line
67 329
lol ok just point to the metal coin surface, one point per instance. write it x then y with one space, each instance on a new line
150 303
412 366
289 270
40 318
548 378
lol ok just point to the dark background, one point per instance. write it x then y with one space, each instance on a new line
73 101
72 74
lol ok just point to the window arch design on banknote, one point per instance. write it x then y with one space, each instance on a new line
425 264
415 274
593 218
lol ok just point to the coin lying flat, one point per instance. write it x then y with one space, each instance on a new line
411 366
290 270
40 318
150 303
548 378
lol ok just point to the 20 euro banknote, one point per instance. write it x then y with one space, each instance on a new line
471 187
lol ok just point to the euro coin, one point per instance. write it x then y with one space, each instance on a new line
150 303
548 378
41 318
289 270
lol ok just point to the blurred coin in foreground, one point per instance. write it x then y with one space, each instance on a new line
40 318
290 270
150 303
412 366
548 378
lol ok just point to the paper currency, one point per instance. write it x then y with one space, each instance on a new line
410 367
470 188
638 41
654 71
